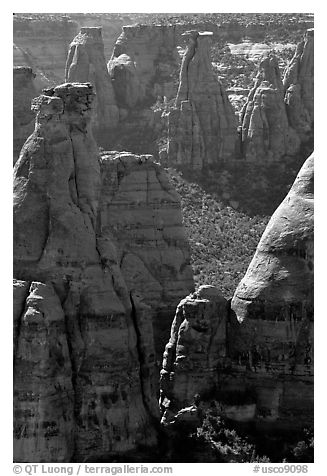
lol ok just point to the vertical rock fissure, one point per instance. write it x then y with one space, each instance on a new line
141 356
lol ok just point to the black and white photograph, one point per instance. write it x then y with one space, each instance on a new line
163 240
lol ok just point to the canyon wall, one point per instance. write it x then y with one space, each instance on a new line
143 63
202 127
141 213
266 133
86 63
298 83
277 118
256 360
24 90
76 324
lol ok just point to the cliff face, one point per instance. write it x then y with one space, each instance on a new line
277 118
261 369
45 39
266 132
202 126
273 305
86 63
24 91
141 213
143 63
76 324
196 346
299 88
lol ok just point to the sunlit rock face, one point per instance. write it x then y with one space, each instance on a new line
84 358
266 132
202 127
141 213
254 355
299 87
86 63
143 64
196 346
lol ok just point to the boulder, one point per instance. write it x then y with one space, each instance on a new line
202 127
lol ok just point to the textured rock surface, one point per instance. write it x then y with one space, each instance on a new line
45 40
273 340
255 359
299 87
281 272
77 298
202 126
43 389
141 213
142 64
266 132
86 63
25 88
196 346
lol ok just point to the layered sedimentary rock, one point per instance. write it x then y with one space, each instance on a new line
45 39
202 126
299 87
26 86
266 132
84 355
196 346
24 91
273 304
141 213
86 63
258 362
143 64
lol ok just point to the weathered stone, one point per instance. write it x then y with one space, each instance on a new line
299 85
202 128
24 90
86 63
255 360
266 133
57 187
43 388
141 213
42 39
143 63
196 347
271 346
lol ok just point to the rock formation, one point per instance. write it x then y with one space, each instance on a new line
261 369
298 84
83 343
86 63
202 126
25 87
279 280
44 38
143 63
141 214
196 346
24 91
266 132
273 304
